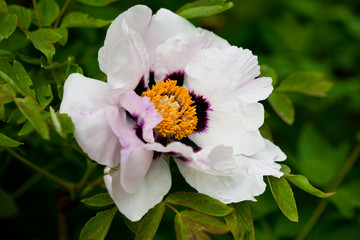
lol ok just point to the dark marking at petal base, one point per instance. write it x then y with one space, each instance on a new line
151 79
191 144
185 159
202 107
141 87
139 133
156 155
178 76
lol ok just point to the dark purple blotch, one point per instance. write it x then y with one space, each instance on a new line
178 76
202 107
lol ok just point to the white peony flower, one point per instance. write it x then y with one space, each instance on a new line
172 90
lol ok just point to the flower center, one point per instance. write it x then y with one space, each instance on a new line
173 103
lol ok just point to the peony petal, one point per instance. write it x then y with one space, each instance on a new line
218 73
124 57
165 25
135 159
215 40
143 111
85 101
150 192
255 90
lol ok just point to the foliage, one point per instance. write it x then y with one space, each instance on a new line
309 48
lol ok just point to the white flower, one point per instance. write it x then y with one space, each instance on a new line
172 90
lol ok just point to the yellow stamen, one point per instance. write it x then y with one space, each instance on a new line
173 103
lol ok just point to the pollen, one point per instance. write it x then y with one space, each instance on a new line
174 104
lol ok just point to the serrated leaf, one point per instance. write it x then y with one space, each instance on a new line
48 11
32 112
8 23
78 19
64 33
204 8
200 202
23 81
267 71
190 224
284 197
98 226
310 83
8 206
43 40
24 16
283 106
99 200
97 3
5 141
150 223
44 95
303 183
240 222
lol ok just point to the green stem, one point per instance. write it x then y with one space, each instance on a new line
90 186
323 203
174 209
90 167
54 178
61 13
37 13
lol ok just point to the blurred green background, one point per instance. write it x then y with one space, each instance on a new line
289 36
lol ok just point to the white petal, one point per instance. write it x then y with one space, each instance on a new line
135 159
164 25
143 110
215 40
255 90
151 191
175 53
225 128
85 101
217 74
124 57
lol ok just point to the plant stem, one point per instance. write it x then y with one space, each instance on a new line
323 203
47 174
174 209
37 13
61 13
90 167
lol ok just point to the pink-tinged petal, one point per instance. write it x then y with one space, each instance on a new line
255 90
224 128
215 40
217 74
165 25
124 57
175 53
143 111
243 181
150 192
85 101
135 159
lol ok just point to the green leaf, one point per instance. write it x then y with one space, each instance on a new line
23 81
317 158
200 202
347 198
303 183
190 224
8 142
48 11
204 8
67 125
150 223
44 95
284 197
26 129
8 23
99 200
32 112
43 40
3 7
266 131
24 16
240 222
267 71
29 59
7 55
8 206
310 83
97 3
64 33
133 226
6 94
285 169
78 19
11 82
98 226
283 106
